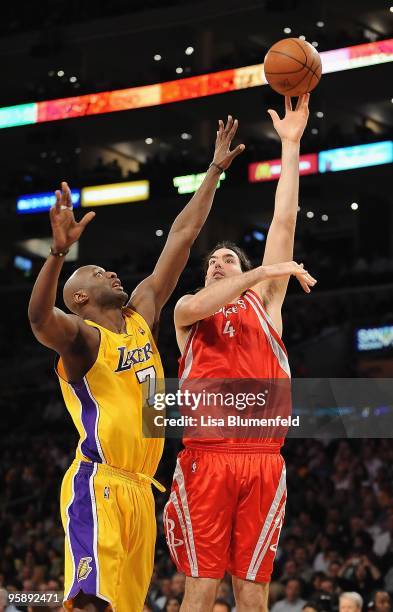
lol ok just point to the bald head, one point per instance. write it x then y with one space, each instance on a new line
75 289
93 287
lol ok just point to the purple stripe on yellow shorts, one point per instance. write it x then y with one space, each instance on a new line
81 531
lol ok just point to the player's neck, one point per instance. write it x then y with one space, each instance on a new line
110 318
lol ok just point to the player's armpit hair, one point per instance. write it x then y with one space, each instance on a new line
269 293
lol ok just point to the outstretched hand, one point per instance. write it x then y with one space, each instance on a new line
292 126
65 229
223 156
288 268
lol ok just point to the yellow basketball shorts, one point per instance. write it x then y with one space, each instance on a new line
110 531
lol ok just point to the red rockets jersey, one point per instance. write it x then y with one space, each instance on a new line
238 342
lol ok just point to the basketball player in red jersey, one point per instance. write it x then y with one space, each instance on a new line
227 503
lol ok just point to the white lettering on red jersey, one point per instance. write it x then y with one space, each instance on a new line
238 341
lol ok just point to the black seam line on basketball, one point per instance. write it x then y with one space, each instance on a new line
290 72
311 67
298 83
313 71
292 58
311 77
300 47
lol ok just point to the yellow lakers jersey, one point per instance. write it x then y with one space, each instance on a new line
106 405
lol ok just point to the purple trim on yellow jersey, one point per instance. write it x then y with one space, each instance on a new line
90 414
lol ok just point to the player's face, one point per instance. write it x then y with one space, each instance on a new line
222 264
104 288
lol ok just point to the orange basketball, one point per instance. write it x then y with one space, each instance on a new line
292 67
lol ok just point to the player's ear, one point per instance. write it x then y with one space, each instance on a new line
80 297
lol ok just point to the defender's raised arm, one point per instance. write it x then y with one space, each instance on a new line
153 292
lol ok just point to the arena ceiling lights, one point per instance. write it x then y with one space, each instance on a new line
357 56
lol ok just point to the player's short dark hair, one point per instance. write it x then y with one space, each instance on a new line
223 602
245 263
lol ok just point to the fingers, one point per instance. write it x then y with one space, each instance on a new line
304 285
239 149
57 206
220 129
233 130
302 102
228 125
274 116
299 102
288 103
306 281
86 219
310 279
66 199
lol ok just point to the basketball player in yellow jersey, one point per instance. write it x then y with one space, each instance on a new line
107 352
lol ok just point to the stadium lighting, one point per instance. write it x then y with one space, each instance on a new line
157 57
314 43
319 114
324 217
179 70
302 37
159 232
354 205
60 73
149 141
310 214
117 193
320 24
287 30
73 79
189 51
144 96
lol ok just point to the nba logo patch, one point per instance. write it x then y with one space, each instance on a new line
84 568
194 467
106 493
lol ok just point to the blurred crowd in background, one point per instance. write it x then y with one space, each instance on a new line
337 536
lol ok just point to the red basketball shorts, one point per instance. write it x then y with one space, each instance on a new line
225 512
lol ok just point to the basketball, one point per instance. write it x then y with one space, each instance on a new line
292 67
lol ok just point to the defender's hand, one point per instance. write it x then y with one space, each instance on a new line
291 268
65 229
223 156
292 126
